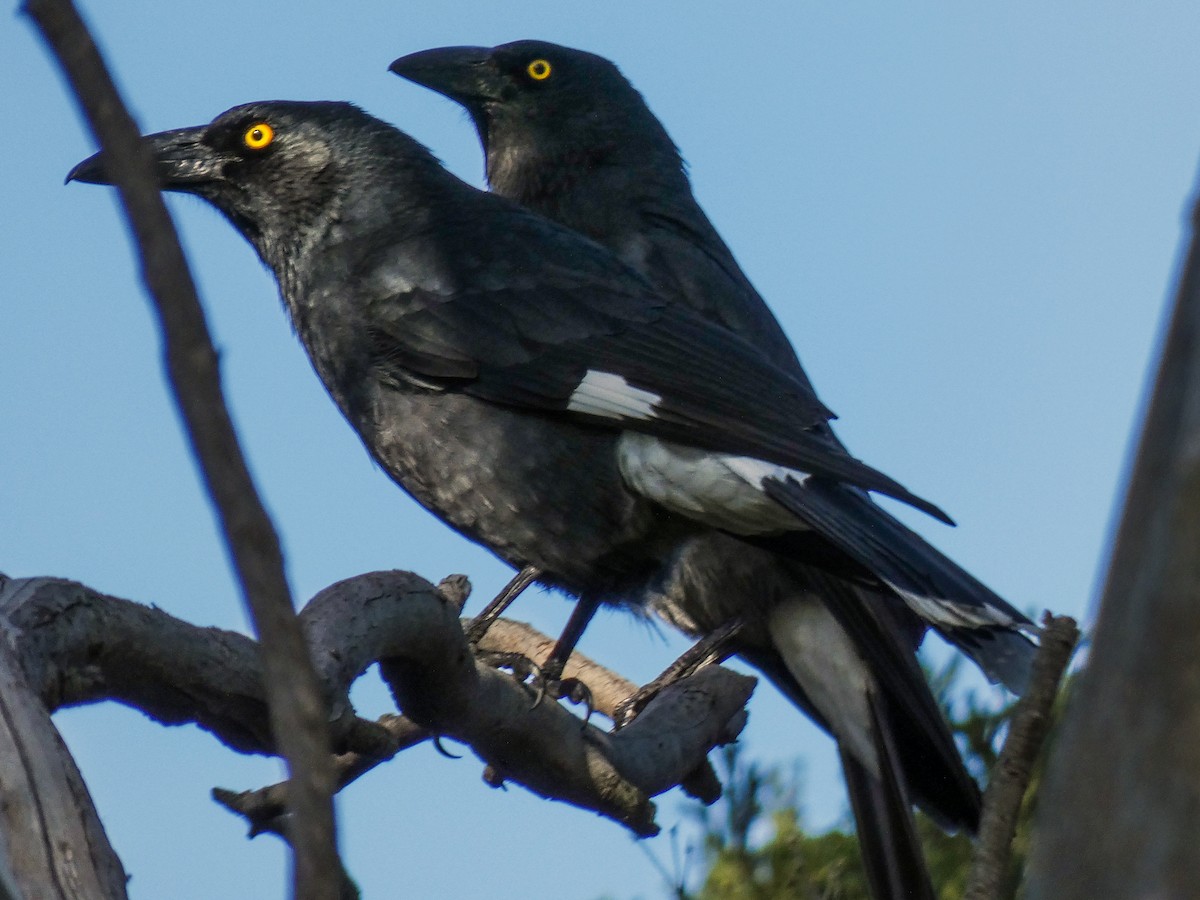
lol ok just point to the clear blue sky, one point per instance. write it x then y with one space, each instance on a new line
967 217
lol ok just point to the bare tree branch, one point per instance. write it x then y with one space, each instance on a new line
1121 807
265 808
549 751
80 646
425 658
437 684
1009 778
297 715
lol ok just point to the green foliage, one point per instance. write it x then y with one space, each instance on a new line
790 864
755 845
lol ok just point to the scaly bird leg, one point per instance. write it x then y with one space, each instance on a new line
481 623
713 649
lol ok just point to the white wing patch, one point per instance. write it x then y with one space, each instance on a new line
756 471
611 396
719 489
945 612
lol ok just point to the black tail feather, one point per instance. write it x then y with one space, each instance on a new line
892 856
963 610
914 725
885 633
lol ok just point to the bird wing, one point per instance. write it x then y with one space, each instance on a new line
684 257
606 350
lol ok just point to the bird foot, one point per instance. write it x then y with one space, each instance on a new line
550 683
523 669
545 681
573 691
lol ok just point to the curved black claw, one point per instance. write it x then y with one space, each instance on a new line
437 745
575 691
523 669
539 693
521 666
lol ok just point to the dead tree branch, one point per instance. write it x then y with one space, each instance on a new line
79 646
1121 806
297 716
438 684
1009 778
266 807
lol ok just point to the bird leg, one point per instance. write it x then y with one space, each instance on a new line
521 666
550 678
712 649
581 615
481 623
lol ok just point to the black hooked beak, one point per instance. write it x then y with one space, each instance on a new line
181 160
464 74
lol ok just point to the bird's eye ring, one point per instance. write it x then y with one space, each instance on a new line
539 70
258 136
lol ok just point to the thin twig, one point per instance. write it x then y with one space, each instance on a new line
296 706
1010 777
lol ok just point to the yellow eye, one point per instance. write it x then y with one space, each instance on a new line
259 137
538 70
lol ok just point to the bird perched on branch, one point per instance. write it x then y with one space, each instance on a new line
565 134
543 398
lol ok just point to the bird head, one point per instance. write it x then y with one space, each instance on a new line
546 102
276 169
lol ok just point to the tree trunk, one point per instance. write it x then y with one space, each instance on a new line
52 846
1120 812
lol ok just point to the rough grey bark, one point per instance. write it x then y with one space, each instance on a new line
1120 811
265 807
52 844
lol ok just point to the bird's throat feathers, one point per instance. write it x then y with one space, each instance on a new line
540 167
535 172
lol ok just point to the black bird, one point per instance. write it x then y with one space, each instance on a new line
541 397
565 134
